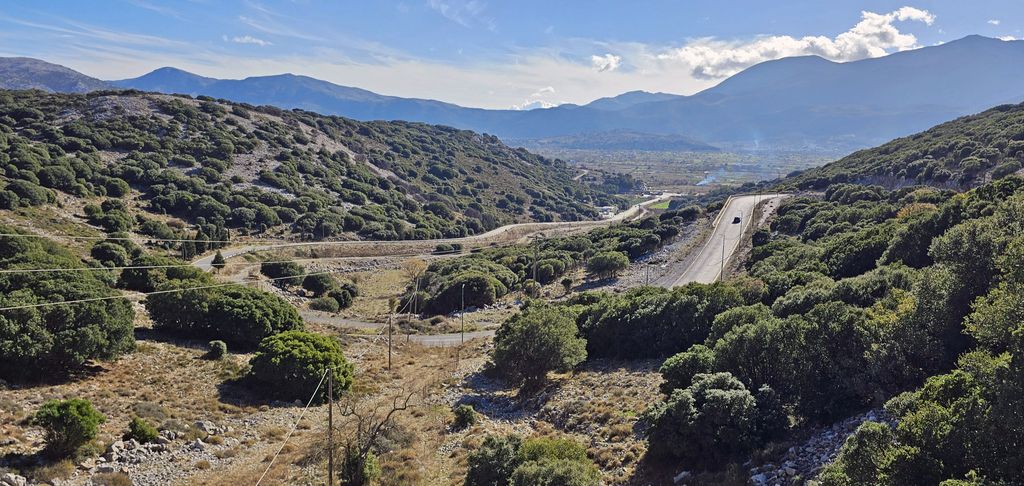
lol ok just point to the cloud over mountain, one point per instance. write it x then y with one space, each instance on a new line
874 36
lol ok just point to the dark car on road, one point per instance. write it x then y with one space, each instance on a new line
736 220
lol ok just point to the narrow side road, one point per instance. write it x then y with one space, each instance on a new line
507 233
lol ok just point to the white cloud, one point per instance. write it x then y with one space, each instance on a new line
1008 38
874 36
534 105
536 100
248 39
995 22
607 62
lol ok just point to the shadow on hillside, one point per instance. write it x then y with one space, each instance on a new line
146 334
494 399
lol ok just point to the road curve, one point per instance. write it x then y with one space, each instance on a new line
707 266
384 248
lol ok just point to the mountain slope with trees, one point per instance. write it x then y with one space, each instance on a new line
961 153
131 157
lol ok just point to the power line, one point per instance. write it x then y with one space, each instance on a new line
159 292
152 267
289 436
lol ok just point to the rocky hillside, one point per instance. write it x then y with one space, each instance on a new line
130 156
28 73
961 153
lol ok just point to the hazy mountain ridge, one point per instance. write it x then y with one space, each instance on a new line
804 103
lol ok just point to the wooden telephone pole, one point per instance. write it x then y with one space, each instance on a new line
330 428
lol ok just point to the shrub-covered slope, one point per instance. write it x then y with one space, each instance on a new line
263 169
961 153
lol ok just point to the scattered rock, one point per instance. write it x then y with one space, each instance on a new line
683 476
11 479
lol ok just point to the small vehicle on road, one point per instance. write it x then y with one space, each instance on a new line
736 220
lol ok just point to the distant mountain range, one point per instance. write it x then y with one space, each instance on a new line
799 103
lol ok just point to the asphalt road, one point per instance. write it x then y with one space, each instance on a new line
707 266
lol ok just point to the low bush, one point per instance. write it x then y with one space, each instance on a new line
69 424
465 416
141 431
289 366
218 349
325 304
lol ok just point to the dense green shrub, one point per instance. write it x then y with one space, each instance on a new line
141 431
284 273
56 339
217 349
607 264
237 315
710 422
511 461
493 463
540 339
358 469
678 371
325 304
69 424
319 283
653 322
465 416
290 364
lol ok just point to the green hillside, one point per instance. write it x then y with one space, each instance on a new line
130 156
961 153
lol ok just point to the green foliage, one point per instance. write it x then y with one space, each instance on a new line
678 371
493 463
540 339
55 339
959 153
289 366
218 261
653 322
505 269
284 273
69 424
319 283
141 431
358 469
465 416
607 264
325 304
511 461
238 315
712 421
218 349
474 182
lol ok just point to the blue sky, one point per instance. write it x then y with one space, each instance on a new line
486 53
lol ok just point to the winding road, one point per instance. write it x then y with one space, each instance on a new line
507 233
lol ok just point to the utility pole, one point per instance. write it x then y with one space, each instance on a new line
721 274
463 314
330 427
